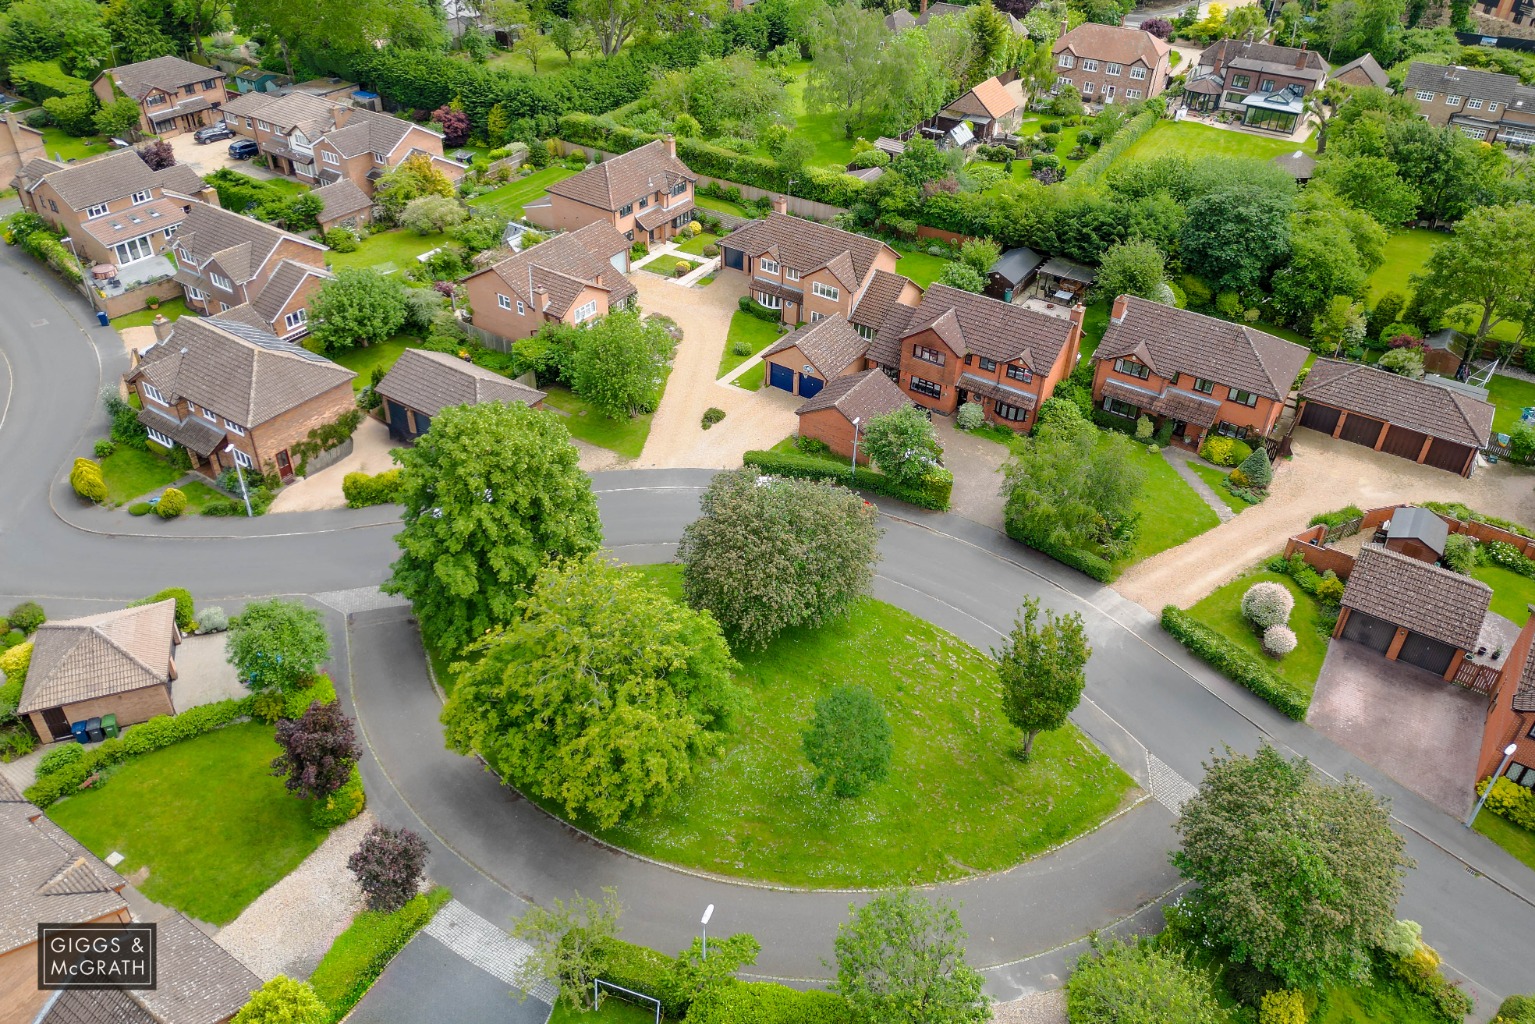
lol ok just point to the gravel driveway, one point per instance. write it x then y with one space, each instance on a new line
1324 474
976 463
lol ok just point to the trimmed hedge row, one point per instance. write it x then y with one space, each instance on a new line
360 954
644 970
932 493
762 1002
1085 562
1221 654
1093 167
362 490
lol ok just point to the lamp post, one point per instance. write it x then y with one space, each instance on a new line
240 472
853 470
1508 755
708 913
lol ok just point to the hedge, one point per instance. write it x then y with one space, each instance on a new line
186 611
1085 562
360 954
362 490
762 1002
1457 511
1233 662
932 493
1337 517
1091 169
643 970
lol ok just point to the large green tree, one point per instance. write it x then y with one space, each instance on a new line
1139 983
1237 234
1486 270
845 71
903 444
357 307
766 556
69 31
1371 184
618 364
337 24
1136 267
276 645
901 960
598 696
490 493
1292 874
1042 667
1323 263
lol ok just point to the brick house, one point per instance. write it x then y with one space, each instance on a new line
113 208
1485 105
422 383
803 361
1412 610
991 108
344 205
231 392
572 278
173 95
838 413
805 270
1200 373
1511 715
1108 63
116 663
646 195
225 259
1266 84
881 315
20 144
1361 72
1435 422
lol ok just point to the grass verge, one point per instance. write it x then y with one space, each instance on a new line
360 954
1216 478
1517 842
614 1011
744 327
133 472
1222 612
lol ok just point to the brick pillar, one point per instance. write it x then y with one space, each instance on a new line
1342 419
1423 452
1381 440
1396 644
1337 630
1455 663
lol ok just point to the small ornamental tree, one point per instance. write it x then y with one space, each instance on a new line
26 616
284 1000
962 276
416 176
87 481
903 444
319 751
389 865
433 213
1042 666
358 307
901 960
848 741
1279 640
158 154
1139 983
455 125
568 940
1257 470
277 645
1267 604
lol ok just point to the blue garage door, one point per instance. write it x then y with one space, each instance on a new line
808 385
735 259
780 377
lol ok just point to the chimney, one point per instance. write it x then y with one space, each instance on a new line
671 144
1065 26
541 298
162 327
1121 307
923 12
1078 312
1300 58
780 203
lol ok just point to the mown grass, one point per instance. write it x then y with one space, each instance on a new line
1222 612
509 199
1510 397
1518 842
1197 141
362 361
1171 512
626 437
388 251
1216 478
1407 252
133 472
759 334
1512 594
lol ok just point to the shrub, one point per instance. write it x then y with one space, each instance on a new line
1337 517
140 508
1256 469
712 416
26 616
1232 661
1279 640
103 447
1267 604
283 1000
1516 1010
389 865
186 612
1144 428
1460 553
58 758
1510 800
86 479
212 620
1282 1006
362 490
1329 589
643 970
1237 478
932 492
741 348
970 416
14 663
1085 562
340 240
341 806
171 504
360 954
848 741
1218 450
810 445
762 1002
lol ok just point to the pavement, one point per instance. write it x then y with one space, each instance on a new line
1179 459
371 447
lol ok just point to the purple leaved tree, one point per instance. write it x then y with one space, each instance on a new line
319 751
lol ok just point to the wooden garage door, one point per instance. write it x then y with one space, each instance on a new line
1404 442
1361 430
1426 653
1319 417
1448 455
1376 634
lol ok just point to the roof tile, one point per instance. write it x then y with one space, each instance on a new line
432 381
1438 410
830 344
100 655
1421 596
860 396
623 179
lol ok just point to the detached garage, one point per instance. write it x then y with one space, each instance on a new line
422 383
804 360
1412 610
1435 421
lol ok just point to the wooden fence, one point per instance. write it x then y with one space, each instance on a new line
1482 679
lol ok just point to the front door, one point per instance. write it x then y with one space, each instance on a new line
284 467
57 723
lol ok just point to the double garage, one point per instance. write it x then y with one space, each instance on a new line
1398 440
1378 635
802 383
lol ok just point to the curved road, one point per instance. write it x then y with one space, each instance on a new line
1157 711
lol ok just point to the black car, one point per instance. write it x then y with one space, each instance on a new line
243 150
213 133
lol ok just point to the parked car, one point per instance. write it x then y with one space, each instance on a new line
243 150
213 133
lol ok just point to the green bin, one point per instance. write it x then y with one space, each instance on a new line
109 725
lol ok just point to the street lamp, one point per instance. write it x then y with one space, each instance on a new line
708 913
854 468
1508 755
239 472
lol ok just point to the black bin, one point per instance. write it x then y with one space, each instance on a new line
94 731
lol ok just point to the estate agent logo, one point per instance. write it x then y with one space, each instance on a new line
96 956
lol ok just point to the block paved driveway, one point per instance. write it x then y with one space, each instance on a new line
1411 724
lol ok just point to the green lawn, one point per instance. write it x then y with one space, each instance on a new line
921 267
363 360
1222 612
508 200
1517 842
665 266
721 206
287 186
1512 594
1406 253
550 61
61 145
626 437
1094 322
171 309
752 379
832 146
614 1011
1216 478
206 817
1188 138
759 334
198 495
132 473
1511 396
1171 512
957 801
695 245
1021 173
387 251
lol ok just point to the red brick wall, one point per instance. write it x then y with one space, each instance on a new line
1260 418
1504 724
265 440
830 426
130 708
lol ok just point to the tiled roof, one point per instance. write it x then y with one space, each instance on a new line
989 327
294 110
194 432
1365 65
432 381
1141 398
241 245
859 396
622 179
1458 81
566 263
9 794
1316 75
1187 406
998 391
48 876
1171 340
186 106
385 131
155 215
168 73
1227 50
658 215
248 104
988 99
830 344
1423 597
1433 409
286 279
878 300
239 371
805 246
113 176
1112 43
99 655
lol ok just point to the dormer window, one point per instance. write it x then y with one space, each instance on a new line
1020 373
1132 368
99 210
767 266
141 197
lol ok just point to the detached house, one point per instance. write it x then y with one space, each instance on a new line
646 195
1511 715
991 108
805 270
1200 373
173 95
113 208
1484 104
1108 63
1266 84
228 259
231 392
572 278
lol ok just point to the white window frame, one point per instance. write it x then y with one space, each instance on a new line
504 301
195 294
767 266
769 301
170 232
1067 61
99 210
1133 94
586 311
242 458
328 157
1087 88
152 393
816 317
132 250
521 309
790 274
159 438
220 281
1089 65
142 197
1452 101
260 124
1473 104
826 291
247 122
233 428
1138 73
296 319
1474 133
209 415
1424 96
1112 69
1492 107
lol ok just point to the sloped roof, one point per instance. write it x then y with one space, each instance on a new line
875 304
1429 408
295 110
244 373
368 131
1423 597
990 327
432 381
112 176
565 264
155 215
1459 81
989 99
1292 57
1365 65
1017 265
1412 522
622 179
1113 43
240 244
99 655
860 396
806 246
194 432
249 104
48 876
1299 164
168 73
342 199
830 344
1171 340
287 278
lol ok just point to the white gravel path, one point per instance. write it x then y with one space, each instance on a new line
1039 1008
291 925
